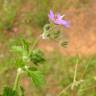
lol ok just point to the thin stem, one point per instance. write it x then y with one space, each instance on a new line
75 75
64 90
45 27
86 89
86 67
35 42
17 79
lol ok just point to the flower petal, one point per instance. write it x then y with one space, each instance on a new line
51 15
59 16
58 22
65 23
62 22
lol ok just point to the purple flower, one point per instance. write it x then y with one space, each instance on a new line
58 19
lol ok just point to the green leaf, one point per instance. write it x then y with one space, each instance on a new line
17 48
19 63
23 48
25 45
37 56
25 56
22 52
9 92
37 77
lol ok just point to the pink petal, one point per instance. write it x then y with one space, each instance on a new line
51 15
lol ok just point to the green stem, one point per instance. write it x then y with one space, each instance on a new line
64 90
35 43
45 28
75 75
17 80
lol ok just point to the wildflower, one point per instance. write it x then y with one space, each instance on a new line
58 19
